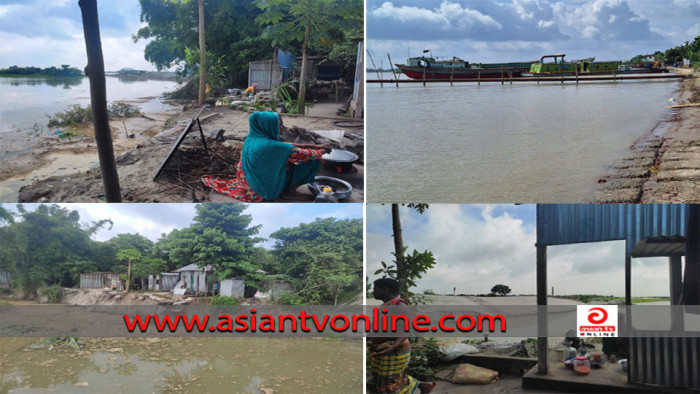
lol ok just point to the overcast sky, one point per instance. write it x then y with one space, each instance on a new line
521 30
152 220
479 246
48 33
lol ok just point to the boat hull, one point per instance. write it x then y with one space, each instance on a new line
461 73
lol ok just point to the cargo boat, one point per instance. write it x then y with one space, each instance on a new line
430 68
558 66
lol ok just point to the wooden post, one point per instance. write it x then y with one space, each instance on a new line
391 65
375 69
203 56
95 70
452 73
478 78
423 75
541 314
502 82
511 76
576 71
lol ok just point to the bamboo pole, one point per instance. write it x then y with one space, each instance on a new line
391 65
95 70
375 69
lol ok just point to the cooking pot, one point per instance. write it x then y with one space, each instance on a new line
339 160
341 189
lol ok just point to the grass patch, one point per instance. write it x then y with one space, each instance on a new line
224 300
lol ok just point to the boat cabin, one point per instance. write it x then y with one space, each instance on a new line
430 62
559 66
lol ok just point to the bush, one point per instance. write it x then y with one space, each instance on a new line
425 358
123 110
73 116
290 299
224 300
53 293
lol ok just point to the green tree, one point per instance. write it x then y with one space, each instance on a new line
408 267
130 256
40 247
310 22
323 257
500 290
220 236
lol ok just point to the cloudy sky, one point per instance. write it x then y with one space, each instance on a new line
479 246
521 30
152 220
48 33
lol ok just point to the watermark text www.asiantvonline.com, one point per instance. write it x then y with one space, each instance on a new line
378 322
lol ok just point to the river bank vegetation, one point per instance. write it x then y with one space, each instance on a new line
688 50
50 246
65 71
240 31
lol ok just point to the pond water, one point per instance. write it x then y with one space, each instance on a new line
191 365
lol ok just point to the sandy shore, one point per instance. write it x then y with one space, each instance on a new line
68 171
663 166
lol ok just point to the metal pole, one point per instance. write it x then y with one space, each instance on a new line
628 278
95 70
541 315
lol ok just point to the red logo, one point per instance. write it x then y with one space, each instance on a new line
597 315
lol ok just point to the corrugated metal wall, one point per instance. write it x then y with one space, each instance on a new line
560 224
99 280
659 360
665 361
5 277
168 282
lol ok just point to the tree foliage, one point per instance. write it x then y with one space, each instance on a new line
65 71
46 246
220 236
324 258
313 23
500 290
407 268
233 37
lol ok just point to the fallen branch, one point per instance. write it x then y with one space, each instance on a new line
682 105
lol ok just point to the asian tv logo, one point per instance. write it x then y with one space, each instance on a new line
596 320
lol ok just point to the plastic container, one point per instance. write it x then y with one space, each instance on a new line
581 365
326 195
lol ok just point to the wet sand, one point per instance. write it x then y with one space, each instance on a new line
664 165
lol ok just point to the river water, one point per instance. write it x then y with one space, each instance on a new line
503 143
187 365
26 102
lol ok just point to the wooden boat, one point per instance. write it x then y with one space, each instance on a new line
430 68
559 66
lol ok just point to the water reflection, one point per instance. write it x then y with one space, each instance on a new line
66 83
254 366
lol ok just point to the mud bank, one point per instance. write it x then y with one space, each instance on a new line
139 158
662 167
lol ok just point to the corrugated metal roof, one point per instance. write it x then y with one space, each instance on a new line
561 224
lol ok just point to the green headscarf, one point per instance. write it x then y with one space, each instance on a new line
264 157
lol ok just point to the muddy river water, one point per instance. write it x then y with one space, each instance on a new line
191 365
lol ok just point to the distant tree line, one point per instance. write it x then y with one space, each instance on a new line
65 71
689 50
49 246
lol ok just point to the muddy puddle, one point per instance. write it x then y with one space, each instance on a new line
191 365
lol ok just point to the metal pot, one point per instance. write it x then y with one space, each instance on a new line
341 189
339 160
